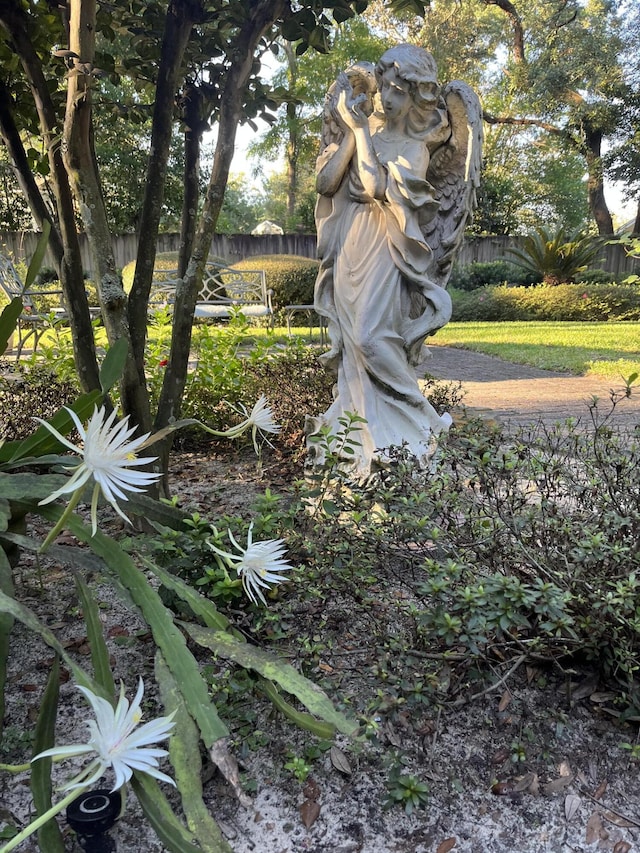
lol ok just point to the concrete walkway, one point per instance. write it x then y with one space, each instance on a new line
518 394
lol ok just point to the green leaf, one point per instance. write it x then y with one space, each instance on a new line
8 321
113 365
160 620
157 512
5 515
29 488
38 255
273 669
304 721
99 651
6 625
200 606
173 835
49 835
184 754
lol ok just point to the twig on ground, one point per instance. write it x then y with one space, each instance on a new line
496 684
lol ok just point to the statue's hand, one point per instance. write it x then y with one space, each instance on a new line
348 109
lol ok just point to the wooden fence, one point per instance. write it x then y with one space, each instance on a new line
237 247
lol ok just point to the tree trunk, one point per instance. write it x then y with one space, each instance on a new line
261 17
516 25
595 181
636 224
292 151
15 21
292 164
82 168
193 104
11 138
181 15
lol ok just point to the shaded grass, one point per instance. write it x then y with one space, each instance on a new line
602 349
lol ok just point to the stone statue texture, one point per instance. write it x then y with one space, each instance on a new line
396 178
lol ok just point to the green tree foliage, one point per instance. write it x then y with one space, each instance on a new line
561 70
243 207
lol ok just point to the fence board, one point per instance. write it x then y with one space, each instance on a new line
236 247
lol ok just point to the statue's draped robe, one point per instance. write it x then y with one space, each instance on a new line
374 289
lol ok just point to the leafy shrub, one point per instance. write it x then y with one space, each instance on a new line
596 276
291 277
511 546
561 302
557 256
483 274
25 394
187 554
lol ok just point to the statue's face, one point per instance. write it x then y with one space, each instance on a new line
395 95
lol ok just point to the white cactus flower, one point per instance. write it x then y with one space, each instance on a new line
117 742
259 565
108 457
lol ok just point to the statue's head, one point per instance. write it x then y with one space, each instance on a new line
417 67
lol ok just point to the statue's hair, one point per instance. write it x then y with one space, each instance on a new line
417 67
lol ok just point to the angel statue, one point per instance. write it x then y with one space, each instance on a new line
396 180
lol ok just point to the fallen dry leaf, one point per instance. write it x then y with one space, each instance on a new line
528 782
500 756
446 845
504 701
621 847
599 698
309 812
595 829
392 735
585 689
572 803
533 672
564 769
311 790
340 760
618 820
556 785
228 766
599 791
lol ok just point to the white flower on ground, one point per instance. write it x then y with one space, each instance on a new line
259 419
108 457
259 565
116 742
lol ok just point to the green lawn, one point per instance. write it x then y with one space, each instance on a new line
605 349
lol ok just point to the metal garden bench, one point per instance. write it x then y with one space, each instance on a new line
224 292
36 317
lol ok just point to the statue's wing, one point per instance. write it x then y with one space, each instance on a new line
454 173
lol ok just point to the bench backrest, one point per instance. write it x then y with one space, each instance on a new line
11 283
220 286
228 286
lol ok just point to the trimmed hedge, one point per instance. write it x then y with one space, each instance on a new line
291 277
482 274
582 301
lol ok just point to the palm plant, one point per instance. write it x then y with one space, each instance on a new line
557 256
